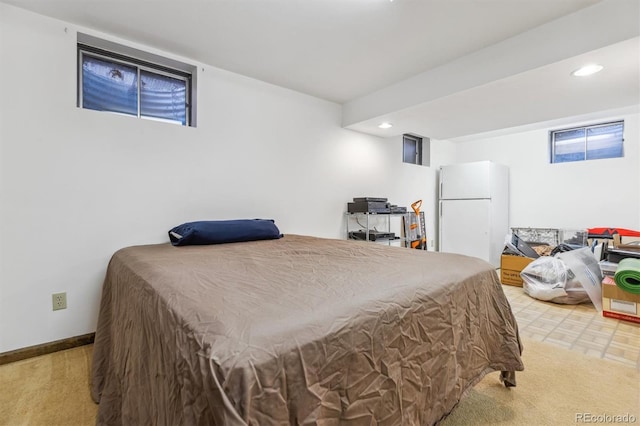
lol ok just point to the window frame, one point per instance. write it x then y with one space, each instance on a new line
140 65
585 129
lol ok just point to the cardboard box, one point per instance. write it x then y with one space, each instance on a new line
510 268
619 304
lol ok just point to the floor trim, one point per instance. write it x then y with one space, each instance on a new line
46 348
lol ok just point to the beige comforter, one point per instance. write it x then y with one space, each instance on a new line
299 330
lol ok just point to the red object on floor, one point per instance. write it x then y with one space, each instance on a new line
624 317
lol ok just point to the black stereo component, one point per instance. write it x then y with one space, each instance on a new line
368 207
367 199
373 235
395 209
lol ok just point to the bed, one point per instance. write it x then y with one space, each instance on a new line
297 330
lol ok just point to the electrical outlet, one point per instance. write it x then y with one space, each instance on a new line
59 301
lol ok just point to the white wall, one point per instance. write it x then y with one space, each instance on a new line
76 185
585 194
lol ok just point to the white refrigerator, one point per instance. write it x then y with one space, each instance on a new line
474 209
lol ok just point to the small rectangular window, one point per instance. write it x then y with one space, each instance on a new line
411 149
416 150
110 81
587 143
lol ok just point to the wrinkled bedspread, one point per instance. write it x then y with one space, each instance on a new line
300 330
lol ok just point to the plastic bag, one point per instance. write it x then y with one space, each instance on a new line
586 272
548 278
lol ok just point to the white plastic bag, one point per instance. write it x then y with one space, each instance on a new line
586 273
548 278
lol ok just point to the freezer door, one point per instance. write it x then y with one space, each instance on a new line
465 181
465 227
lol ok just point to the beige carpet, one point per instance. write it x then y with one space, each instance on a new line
556 386
48 390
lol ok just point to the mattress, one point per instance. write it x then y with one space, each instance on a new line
299 330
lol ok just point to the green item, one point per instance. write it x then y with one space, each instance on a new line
627 275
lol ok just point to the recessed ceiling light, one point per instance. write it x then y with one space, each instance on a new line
587 70
385 125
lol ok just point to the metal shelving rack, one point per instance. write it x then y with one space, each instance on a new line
368 226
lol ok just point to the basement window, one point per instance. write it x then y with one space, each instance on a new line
587 143
122 80
413 150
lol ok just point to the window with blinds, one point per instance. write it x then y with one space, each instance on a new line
109 81
587 143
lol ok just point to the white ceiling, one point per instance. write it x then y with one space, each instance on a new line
406 61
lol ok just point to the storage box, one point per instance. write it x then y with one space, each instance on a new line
510 268
538 235
607 268
575 237
619 304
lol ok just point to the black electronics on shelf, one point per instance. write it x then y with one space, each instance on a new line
370 199
368 207
373 235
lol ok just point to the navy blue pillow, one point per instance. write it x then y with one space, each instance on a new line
223 231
